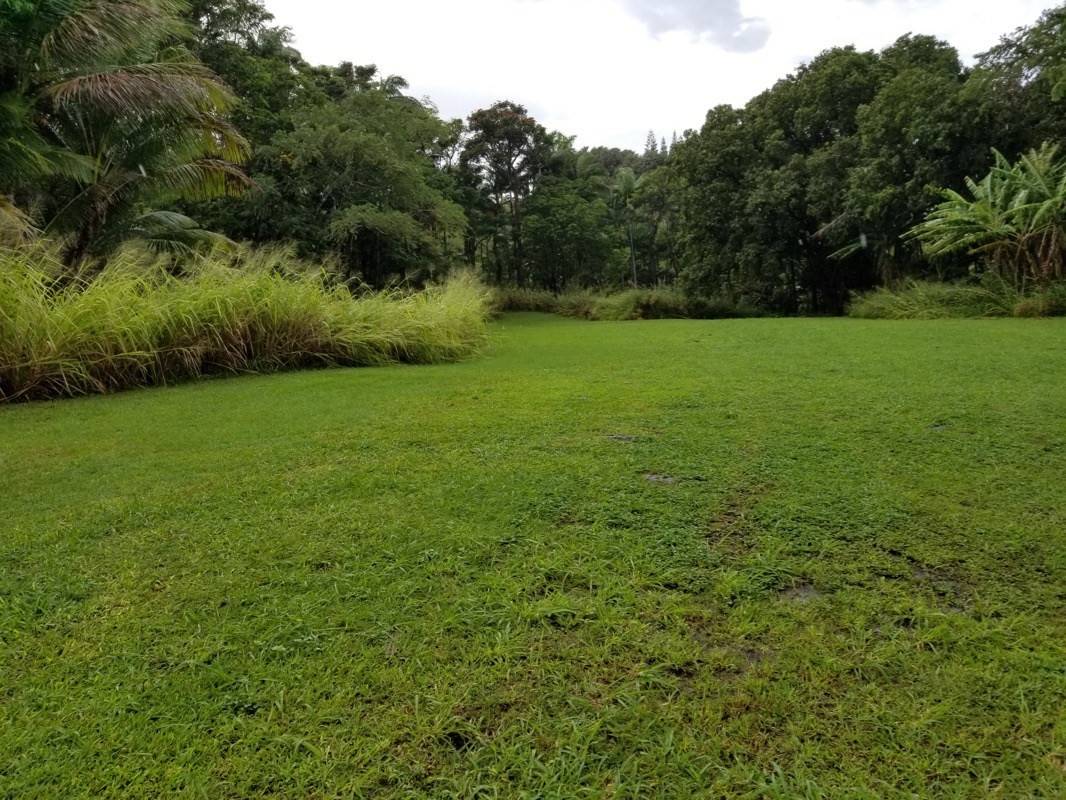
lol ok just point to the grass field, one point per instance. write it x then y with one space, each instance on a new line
678 559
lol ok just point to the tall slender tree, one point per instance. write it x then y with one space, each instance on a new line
623 188
506 150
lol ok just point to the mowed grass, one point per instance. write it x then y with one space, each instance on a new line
676 559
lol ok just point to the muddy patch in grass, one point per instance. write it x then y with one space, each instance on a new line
729 531
722 664
567 519
655 477
952 592
460 741
563 582
800 593
723 657
669 480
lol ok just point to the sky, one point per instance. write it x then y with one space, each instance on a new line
608 71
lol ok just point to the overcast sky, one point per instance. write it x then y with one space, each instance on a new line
610 70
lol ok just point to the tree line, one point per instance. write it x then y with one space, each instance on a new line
183 125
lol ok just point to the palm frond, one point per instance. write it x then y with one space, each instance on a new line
174 233
202 179
163 87
16 226
105 29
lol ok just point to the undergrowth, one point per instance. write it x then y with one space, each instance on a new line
929 300
629 304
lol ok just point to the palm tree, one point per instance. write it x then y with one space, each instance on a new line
97 94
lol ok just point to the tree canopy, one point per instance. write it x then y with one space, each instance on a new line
161 120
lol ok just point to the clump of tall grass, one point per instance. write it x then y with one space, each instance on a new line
1048 302
136 324
628 304
928 300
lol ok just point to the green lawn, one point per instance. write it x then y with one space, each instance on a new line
757 558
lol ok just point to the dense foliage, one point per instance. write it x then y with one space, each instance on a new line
104 114
806 194
990 297
791 203
128 120
1015 217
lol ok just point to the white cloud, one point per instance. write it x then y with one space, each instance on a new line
721 21
609 70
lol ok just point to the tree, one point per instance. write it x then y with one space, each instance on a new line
235 39
655 204
359 178
651 145
749 209
802 196
348 167
912 139
505 152
570 236
1027 70
107 108
622 190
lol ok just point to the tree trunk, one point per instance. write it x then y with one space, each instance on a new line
516 240
498 260
632 255
77 252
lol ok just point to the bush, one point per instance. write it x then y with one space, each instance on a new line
629 304
138 325
992 298
1050 302
719 308
512 299
578 304
641 304
928 300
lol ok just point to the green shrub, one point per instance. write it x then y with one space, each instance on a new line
578 304
719 308
994 297
1013 219
641 304
137 325
929 300
512 299
629 304
1050 302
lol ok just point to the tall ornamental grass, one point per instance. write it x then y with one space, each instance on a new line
140 326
